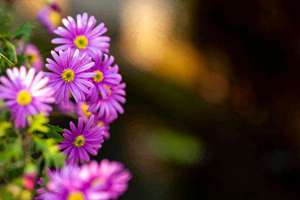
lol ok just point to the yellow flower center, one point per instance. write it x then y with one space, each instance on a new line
24 98
100 123
98 76
79 141
54 18
81 42
84 109
31 58
68 75
76 196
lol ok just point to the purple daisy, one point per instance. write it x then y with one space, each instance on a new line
83 110
70 75
110 106
81 141
33 57
64 184
106 74
106 180
25 94
50 16
82 34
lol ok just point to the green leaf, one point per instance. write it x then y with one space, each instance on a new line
24 32
37 123
4 125
8 55
50 151
55 132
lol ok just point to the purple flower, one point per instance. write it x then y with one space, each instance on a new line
25 94
104 125
64 184
81 141
67 108
50 16
104 181
107 179
106 74
110 106
33 57
83 110
70 75
82 34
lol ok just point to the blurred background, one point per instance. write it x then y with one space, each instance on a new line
213 96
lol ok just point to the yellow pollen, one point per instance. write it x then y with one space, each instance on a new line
100 123
79 141
55 18
84 109
24 98
68 75
76 196
81 42
98 76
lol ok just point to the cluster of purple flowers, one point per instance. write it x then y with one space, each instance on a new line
82 78
94 181
81 71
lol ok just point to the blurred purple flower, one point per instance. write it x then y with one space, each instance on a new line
25 94
70 74
82 34
63 184
81 141
50 16
33 57
106 180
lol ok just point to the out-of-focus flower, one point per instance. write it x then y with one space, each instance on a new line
64 184
82 140
67 107
69 75
107 179
25 94
104 181
50 16
83 110
110 106
104 124
29 180
82 34
33 57
106 74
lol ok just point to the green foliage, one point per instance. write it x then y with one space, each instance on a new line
38 123
9 39
55 133
24 32
45 138
50 151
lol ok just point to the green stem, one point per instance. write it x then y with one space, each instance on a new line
6 59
